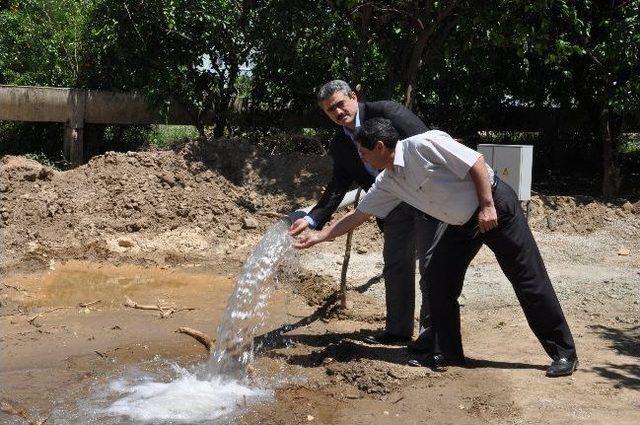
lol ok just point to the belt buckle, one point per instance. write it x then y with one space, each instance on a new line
495 181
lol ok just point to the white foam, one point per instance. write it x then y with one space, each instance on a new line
186 398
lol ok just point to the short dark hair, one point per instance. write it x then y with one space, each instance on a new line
377 129
328 89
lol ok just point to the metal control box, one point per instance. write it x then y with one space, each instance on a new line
513 164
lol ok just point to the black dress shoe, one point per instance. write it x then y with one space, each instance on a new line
437 362
419 346
387 339
564 366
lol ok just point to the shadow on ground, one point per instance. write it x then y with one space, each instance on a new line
293 174
347 347
625 342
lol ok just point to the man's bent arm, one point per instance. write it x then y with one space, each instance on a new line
487 217
344 225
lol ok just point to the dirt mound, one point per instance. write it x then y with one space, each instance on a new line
156 206
314 288
577 214
206 199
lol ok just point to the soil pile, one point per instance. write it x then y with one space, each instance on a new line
155 206
578 214
205 199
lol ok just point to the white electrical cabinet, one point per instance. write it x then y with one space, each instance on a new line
512 163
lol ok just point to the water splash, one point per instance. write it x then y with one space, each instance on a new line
212 392
245 310
186 398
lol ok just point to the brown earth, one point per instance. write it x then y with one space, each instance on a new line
174 227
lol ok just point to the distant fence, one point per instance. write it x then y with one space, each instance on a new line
77 107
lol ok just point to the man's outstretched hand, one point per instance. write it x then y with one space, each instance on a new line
298 226
306 241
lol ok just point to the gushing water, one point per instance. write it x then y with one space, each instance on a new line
245 310
222 385
185 398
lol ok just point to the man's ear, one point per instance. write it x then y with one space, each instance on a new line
379 146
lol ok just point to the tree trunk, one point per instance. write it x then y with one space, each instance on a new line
611 177
417 53
414 64
222 110
361 51
200 127
223 106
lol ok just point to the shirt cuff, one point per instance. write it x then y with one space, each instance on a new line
311 221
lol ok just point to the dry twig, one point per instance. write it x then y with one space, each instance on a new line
165 310
85 305
345 261
15 287
201 337
34 317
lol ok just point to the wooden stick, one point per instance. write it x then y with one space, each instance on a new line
165 310
345 262
201 337
132 304
85 305
43 313
15 287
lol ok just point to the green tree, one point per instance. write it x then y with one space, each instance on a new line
579 57
185 51
404 32
596 46
300 44
41 41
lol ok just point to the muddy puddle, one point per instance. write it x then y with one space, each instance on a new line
76 283
71 349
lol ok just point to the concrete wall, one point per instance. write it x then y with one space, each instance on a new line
75 107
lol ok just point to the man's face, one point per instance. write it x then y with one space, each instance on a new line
376 157
341 108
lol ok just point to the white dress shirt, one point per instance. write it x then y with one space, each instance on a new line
431 173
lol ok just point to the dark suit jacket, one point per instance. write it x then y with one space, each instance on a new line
347 164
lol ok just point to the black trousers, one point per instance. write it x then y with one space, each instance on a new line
407 233
518 255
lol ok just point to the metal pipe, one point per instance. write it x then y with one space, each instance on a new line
349 199
57 104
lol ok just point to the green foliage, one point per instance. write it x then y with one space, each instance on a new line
306 44
21 138
467 62
47 161
169 136
42 41
630 144
185 51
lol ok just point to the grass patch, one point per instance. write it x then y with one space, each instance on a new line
167 136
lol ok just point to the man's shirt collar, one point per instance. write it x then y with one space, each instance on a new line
350 132
398 156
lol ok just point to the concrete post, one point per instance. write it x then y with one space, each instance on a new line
73 143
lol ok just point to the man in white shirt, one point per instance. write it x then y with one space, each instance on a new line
408 233
448 181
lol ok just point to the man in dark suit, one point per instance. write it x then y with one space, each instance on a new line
407 231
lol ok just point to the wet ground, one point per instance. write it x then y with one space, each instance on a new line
57 351
59 358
